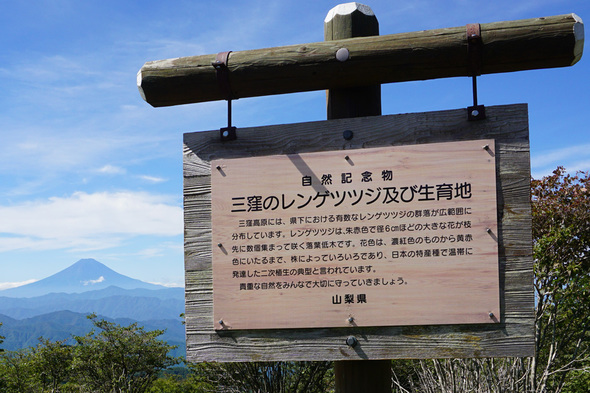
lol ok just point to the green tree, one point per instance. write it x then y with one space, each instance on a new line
17 372
181 384
120 358
2 378
561 240
52 364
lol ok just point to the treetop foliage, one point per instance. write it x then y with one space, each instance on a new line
561 242
110 358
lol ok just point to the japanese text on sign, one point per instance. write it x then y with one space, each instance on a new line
320 239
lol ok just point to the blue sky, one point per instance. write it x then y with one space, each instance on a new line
89 170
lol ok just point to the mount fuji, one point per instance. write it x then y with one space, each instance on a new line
56 307
83 276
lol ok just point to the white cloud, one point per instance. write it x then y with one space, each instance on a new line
57 69
85 221
151 252
155 250
560 155
111 170
168 284
167 48
92 282
572 158
8 285
152 179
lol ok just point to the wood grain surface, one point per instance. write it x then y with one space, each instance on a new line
513 335
332 240
555 41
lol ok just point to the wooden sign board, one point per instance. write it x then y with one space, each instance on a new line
375 237
254 329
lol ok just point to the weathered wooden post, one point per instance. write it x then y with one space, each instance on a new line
344 21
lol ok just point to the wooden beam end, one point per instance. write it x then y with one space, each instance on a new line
139 79
579 37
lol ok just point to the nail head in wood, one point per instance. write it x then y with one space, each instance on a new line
351 341
342 54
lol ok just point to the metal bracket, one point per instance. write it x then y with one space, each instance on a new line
228 134
222 72
474 45
474 49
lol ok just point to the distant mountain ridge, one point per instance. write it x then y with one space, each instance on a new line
83 276
56 307
112 302
62 325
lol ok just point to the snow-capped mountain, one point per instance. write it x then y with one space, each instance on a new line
83 276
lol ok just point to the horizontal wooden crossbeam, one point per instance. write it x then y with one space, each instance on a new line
555 41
